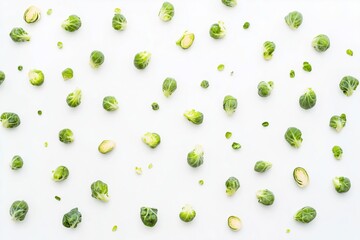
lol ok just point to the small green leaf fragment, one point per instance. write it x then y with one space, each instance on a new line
39 112
60 45
307 67
228 135
150 166
138 170
46 144
201 182
114 228
246 25
221 67
292 73
236 146
20 68
349 52
49 11
265 124
58 198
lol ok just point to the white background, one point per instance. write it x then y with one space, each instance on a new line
172 183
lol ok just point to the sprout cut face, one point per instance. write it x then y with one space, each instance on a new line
321 43
2 77
187 213
293 136
142 60
19 35
230 104
305 215
186 40
16 162
66 136
308 99
265 88
268 50
151 139
169 86
60 174
36 77
106 146
232 185
265 197
99 190
97 58
294 19
10 120
301 177
18 210
110 103
195 158
234 223
72 23
166 12
338 122
194 116
217 30
148 216
348 85
72 218
342 184
32 14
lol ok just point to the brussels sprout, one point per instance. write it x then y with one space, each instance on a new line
66 136
236 145
217 30
337 152
293 137
19 35
74 99
265 124
10 120
106 146
349 52
204 84
187 213
119 21
232 185
97 58
72 23
67 74
246 25
2 77
195 158
262 166
292 73
265 88
36 77
321 43
155 106
16 162
166 12
99 190
342 184
338 122
32 14
308 99
194 116
301 177
60 45
305 215
72 218
169 86
148 216
60 174
110 103
221 67
265 197
229 104
18 210
228 135
307 67
234 223
229 3
294 19
268 50
186 40
142 60
151 139
348 85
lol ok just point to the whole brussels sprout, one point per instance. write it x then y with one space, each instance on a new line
36 77
67 74
217 30
142 60
119 21
265 197
72 23
97 58
18 210
10 120
149 216
187 213
72 218
321 43
110 103
293 136
2 77
166 12
229 104
151 139
99 190
342 184
232 185
338 122
66 136
348 85
74 99
268 50
60 174
305 215
265 88
169 86
308 99
294 19
262 166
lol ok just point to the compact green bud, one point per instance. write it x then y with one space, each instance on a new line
166 12
229 104
187 213
66 136
2 77
217 30
348 85
194 116
99 190
36 77
305 215
142 60
151 139
342 184
268 50
169 86
229 3
195 158
294 19
110 103
308 99
265 88
74 99
262 166
119 21
97 58
72 218
321 43
18 210
265 197
60 174
10 120
72 23
67 74
16 162
232 185
148 216
293 136
338 122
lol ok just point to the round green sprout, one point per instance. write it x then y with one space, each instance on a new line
119 22
235 145
10 120
301 177
294 19
265 197
67 74
18 210
293 136
187 213
307 67
36 77
342 184
262 166
72 23
99 190
106 146
246 25
194 116
308 99
321 43
155 106
66 136
148 216
72 218
204 84
268 50
166 12
337 152
195 158
234 223
348 85
74 99
229 3
232 185
110 103
186 40
305 215
19 35
338 122
60 174
151 139
97 58
16 162
169 86
2 77
229 104
142 60
32 14
265 88
217 30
